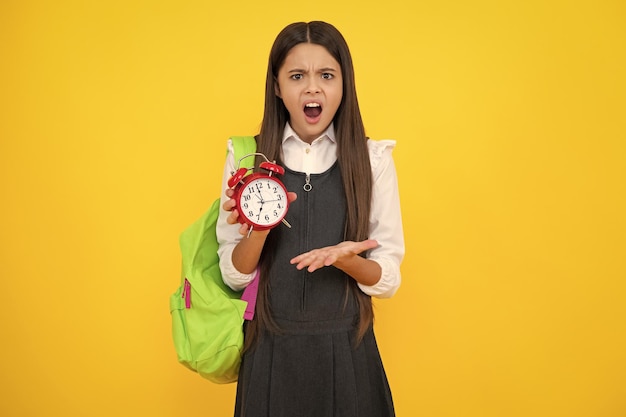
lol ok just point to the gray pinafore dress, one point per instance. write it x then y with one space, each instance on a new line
312 368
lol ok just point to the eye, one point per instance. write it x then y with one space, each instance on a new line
327 76
297 76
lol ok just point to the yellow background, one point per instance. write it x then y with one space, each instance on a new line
510 123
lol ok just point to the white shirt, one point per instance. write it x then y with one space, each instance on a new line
316 158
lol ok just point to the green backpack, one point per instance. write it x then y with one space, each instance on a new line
207 316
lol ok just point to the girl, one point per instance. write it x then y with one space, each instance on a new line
311 350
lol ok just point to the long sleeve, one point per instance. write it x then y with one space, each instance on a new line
385 220
228 235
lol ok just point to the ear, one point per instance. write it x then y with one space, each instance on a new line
276 88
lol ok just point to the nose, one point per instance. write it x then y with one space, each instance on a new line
313 85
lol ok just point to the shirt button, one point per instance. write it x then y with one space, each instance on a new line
308 150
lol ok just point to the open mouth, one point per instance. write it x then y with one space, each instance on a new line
312 110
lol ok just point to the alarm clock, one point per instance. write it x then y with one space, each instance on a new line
260 198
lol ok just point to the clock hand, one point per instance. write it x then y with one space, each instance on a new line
258 216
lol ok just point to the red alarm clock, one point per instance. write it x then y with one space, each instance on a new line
260 198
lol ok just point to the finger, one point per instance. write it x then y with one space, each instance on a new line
302 261
315 265
291 196
306 256
229 204
233 217
316 260
229 192
368 244
298 258
323 259
330 260
302 264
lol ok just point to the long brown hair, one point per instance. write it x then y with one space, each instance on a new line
352 155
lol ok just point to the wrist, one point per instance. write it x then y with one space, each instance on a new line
258 234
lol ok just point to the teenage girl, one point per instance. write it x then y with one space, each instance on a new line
311 349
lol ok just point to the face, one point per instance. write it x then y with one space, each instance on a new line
311 87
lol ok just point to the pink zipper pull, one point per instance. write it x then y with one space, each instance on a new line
187 294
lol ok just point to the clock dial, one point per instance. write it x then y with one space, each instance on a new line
263 202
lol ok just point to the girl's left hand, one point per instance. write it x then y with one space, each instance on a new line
332 255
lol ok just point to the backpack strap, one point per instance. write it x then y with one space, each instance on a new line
249 295
244 145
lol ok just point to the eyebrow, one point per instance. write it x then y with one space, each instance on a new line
326 69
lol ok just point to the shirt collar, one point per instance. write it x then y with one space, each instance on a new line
289 133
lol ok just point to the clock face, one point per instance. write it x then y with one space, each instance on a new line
263 202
